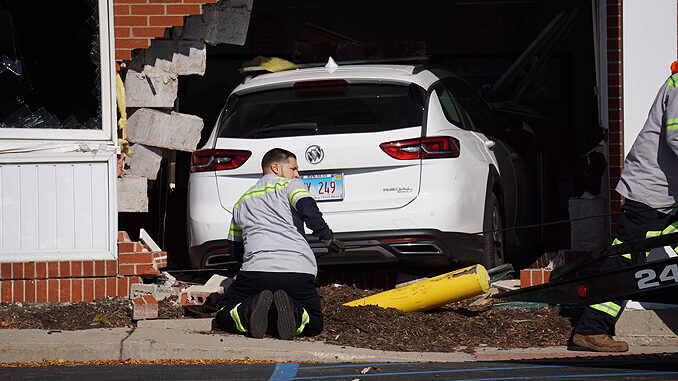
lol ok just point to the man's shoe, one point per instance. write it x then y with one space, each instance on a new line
600 343
258 319
286 323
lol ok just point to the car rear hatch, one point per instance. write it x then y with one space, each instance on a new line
340 133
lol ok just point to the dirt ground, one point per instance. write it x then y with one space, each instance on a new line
457 326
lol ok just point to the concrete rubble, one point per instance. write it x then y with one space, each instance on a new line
172 57
174 131
151 89
132 194
226 22
145 162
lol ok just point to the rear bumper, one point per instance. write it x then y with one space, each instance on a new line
422 248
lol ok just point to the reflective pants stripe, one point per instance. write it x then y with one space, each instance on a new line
609 308
236 318
304 320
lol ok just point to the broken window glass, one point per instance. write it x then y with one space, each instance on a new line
50 64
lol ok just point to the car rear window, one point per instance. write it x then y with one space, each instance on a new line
322 110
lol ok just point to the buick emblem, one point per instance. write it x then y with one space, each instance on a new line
314 154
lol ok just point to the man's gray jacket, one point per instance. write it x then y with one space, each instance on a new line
269 220
650 173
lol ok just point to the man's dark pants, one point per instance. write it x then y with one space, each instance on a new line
633 224
247 284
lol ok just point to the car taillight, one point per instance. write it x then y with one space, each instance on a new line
218 159
433 147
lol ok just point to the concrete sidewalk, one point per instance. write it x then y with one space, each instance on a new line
189 339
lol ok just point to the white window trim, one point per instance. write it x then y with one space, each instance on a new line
108 113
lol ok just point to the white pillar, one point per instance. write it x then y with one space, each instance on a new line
649 48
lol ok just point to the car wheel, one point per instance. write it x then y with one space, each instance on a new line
493 245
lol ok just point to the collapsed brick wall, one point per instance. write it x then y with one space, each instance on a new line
82 280
139 21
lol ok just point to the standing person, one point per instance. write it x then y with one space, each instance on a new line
649 184
279 267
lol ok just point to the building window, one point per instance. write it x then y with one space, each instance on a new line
50 65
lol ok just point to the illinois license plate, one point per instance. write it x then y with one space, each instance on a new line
325 187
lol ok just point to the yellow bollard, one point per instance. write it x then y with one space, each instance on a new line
431 293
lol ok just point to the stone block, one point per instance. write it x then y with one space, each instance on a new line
132 194
159 292
151 89
145 307
158 129
145 161
648 327
225 22
172 57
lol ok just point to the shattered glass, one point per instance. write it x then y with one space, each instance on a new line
50 65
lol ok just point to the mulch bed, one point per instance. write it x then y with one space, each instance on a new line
457 326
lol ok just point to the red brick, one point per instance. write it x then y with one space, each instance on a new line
132 43
613 21
157 31
148 9
17 270
525 278
5 271
111 287
76 269
123 32
201 1
536 277
123 287
127 270
53 290
184 9
99 288
547 275
146 258
41 291
111 268
611 55
131 21
6 291
123 54
64 290
139 247
164 1
29 270
65 268
29 291
99 268
41 270
18 290
165 20
88 290
614 44
121 10
129 2
145 307
52 269
614 79
126 247
146 270
76 290
123 237
87 268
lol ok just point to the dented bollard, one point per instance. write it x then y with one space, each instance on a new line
431 293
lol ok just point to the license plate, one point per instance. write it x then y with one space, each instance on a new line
325 187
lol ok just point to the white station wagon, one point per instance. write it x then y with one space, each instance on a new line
406 162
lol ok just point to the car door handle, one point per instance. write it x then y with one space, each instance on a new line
489 144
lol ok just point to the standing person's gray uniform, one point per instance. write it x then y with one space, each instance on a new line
279 267
649 184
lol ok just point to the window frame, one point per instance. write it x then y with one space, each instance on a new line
108 130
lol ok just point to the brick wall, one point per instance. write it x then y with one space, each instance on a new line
139 21
80 281
614 91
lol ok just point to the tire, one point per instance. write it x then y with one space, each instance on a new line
494 245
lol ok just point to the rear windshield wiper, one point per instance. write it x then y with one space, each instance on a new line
287 127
